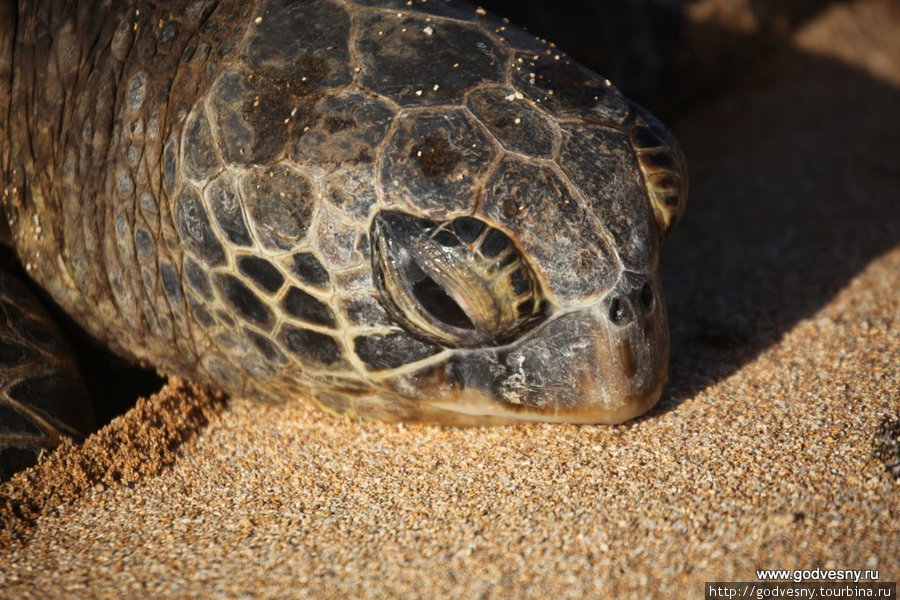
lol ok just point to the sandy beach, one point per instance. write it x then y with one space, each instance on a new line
783 287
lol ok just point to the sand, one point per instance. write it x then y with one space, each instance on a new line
783 297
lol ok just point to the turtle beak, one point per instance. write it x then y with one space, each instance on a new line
605 363
628 353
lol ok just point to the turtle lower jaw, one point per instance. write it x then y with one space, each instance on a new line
485 411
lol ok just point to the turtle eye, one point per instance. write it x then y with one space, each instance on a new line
436 302
458 283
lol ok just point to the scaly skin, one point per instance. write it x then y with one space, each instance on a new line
249 195
86 160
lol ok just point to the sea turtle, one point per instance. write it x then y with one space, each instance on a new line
401 209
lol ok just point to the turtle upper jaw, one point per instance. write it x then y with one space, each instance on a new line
580 368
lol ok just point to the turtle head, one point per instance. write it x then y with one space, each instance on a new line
541 299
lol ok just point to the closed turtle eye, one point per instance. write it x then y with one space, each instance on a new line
459 283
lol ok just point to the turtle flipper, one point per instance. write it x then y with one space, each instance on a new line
43 398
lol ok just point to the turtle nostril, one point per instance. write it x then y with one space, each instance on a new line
618 313
647 296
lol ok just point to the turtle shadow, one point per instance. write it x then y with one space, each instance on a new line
794 176
794 192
